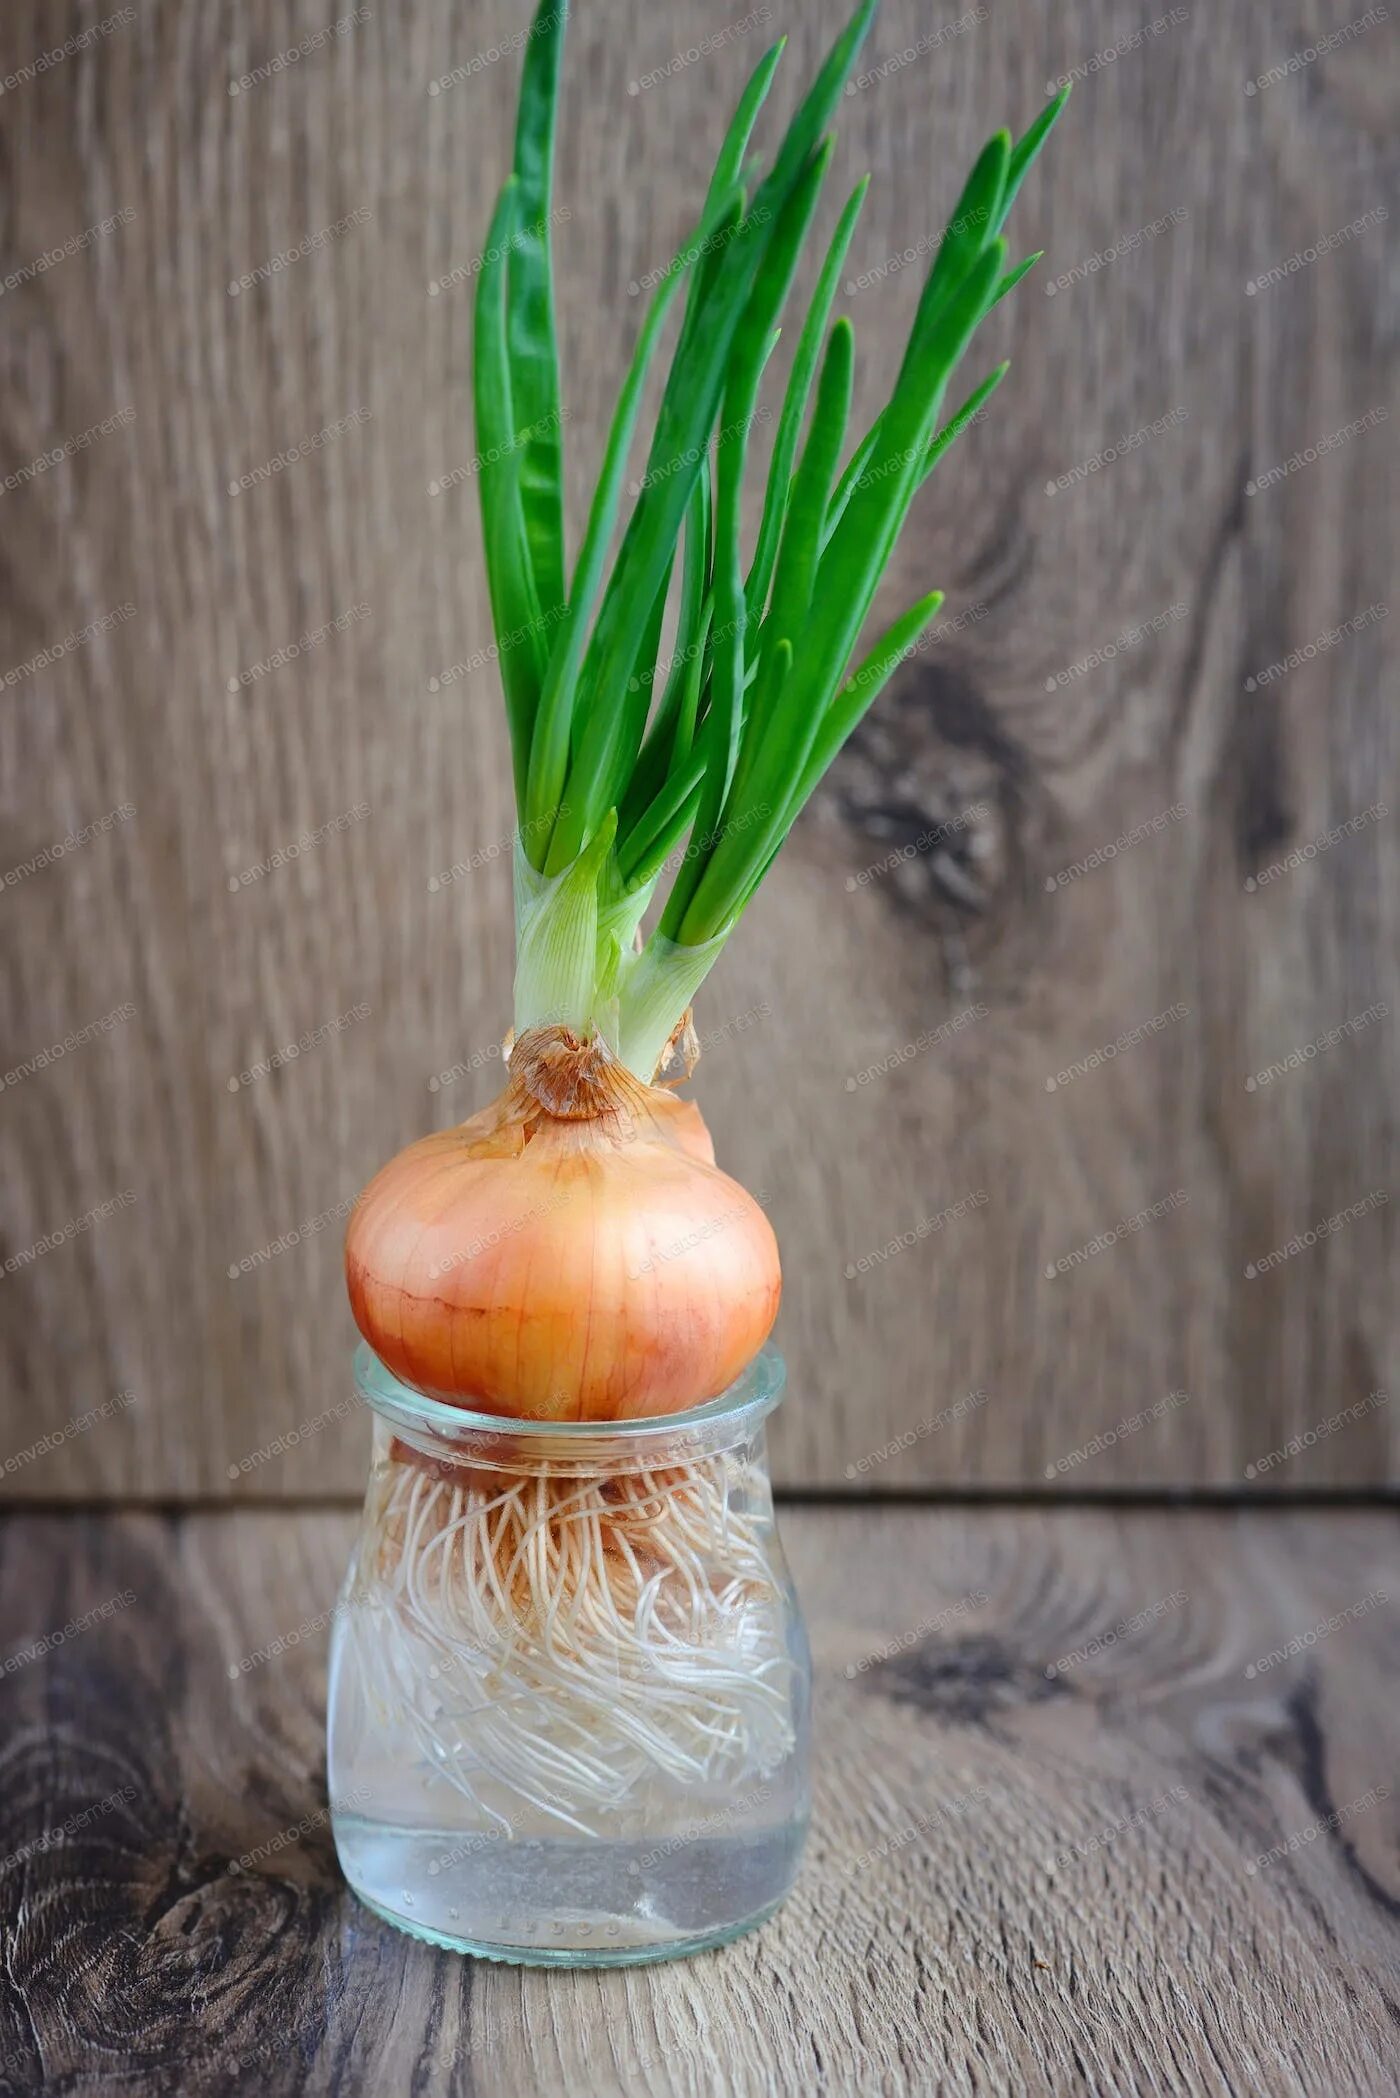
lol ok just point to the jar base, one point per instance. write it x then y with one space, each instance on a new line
571 1903
574 1955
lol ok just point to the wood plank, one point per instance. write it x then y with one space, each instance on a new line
845 1078
1082 1825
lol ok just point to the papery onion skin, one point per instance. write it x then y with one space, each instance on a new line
571 1253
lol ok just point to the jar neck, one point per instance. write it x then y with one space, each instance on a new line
414 1427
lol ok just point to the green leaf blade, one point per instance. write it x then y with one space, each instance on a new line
1027 151
515 608
804 370
549 750
533 350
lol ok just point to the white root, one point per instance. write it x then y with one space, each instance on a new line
562 1642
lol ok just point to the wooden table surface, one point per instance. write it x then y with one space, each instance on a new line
1106 1802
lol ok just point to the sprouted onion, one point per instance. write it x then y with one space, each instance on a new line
573 1252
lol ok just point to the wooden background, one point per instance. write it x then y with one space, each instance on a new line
233 1356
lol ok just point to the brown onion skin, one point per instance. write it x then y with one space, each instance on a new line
571 1253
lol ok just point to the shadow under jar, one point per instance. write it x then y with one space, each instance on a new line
569 1683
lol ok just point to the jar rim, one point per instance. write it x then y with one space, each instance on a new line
655 1438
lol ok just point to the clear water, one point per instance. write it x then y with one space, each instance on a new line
456 1853
569 1900
453 1851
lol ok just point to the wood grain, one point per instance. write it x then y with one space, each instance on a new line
1084 1824
883 1037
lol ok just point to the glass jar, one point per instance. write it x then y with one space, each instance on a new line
569 1680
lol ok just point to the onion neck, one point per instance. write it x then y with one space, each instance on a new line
581 964
571 1079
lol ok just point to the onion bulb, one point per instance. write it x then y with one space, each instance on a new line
570 1253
